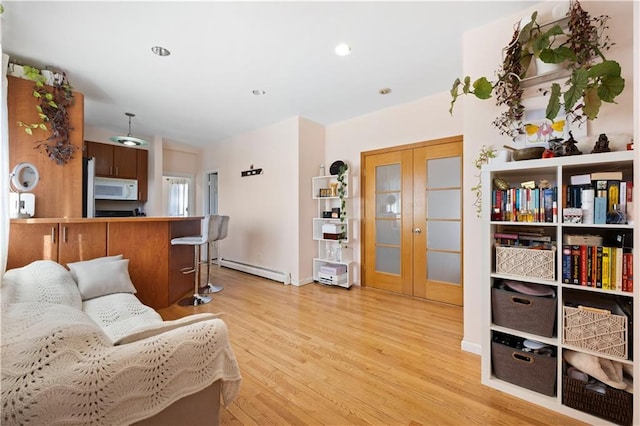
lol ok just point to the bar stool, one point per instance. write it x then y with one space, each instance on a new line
222 234
210 231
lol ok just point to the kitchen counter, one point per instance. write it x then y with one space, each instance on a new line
107 219
154 264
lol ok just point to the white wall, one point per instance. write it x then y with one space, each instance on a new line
482 55
263 229
310 156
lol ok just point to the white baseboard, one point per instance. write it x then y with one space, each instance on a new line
474 348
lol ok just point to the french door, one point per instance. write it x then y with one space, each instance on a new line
412 220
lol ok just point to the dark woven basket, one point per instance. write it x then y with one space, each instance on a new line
615 405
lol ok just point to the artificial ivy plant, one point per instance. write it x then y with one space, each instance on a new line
342 194
593 78
52 105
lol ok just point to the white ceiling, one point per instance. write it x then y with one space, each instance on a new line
221 51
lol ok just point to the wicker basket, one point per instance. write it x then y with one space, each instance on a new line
526 262
615 405
525 369
597 330
531 314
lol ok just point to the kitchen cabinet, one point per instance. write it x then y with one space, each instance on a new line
143 177
113 161
59 192
558 264
61 242
154 264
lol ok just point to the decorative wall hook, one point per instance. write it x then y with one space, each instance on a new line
251 172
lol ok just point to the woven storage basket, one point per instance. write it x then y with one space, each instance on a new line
532 314
615 405
596 330
526 262
525 369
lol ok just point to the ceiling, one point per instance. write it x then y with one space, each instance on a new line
222 51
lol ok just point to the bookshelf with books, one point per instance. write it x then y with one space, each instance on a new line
554 265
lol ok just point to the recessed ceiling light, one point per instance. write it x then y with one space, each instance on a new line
343 49
258 92
160 51
384 91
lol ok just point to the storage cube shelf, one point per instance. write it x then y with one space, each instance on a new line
579 317
333 265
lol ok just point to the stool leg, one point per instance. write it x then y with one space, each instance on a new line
197 298
210 287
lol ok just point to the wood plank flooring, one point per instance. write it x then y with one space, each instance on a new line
317 355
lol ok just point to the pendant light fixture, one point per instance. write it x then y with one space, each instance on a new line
129 140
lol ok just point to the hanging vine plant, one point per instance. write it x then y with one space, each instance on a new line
53 103
342 194
593 78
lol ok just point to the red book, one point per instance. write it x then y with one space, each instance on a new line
628 257
583 265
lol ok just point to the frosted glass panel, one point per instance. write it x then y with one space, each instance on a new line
388 260
388 204
443 172
388 178
443 235
444 204
443 267
388 232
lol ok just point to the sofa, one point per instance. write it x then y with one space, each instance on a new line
79 348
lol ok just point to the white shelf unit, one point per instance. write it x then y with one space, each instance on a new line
330 252
558 172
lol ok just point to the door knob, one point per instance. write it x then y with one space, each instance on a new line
417 231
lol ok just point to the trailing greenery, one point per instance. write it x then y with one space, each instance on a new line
593 78
483 158
342 193
53 104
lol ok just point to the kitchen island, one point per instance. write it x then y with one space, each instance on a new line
154 264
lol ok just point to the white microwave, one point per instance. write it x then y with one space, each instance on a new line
115 189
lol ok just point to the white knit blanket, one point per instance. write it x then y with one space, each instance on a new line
59 367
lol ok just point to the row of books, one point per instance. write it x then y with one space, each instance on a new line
524 205
605 267
608 185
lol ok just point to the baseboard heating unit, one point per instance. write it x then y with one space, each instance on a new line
260 271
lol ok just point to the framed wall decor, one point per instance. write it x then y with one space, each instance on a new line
538 130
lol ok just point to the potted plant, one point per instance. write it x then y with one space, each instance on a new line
593 78
52 106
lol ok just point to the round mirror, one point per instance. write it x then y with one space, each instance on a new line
24 177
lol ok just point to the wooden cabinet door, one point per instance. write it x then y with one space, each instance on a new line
32 241
143 179
103 154
81 241
59 192
125 162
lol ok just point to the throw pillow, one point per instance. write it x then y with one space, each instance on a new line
156 329
102 278
91 262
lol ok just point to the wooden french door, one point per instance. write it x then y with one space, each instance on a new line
412 220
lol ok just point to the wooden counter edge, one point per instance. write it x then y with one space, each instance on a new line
107 219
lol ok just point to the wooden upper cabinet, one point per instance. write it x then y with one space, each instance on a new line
59 192
113 161
143 177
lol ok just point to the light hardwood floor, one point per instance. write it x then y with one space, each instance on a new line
317 355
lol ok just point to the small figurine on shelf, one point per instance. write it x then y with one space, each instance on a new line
556 146
570 147
602 144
